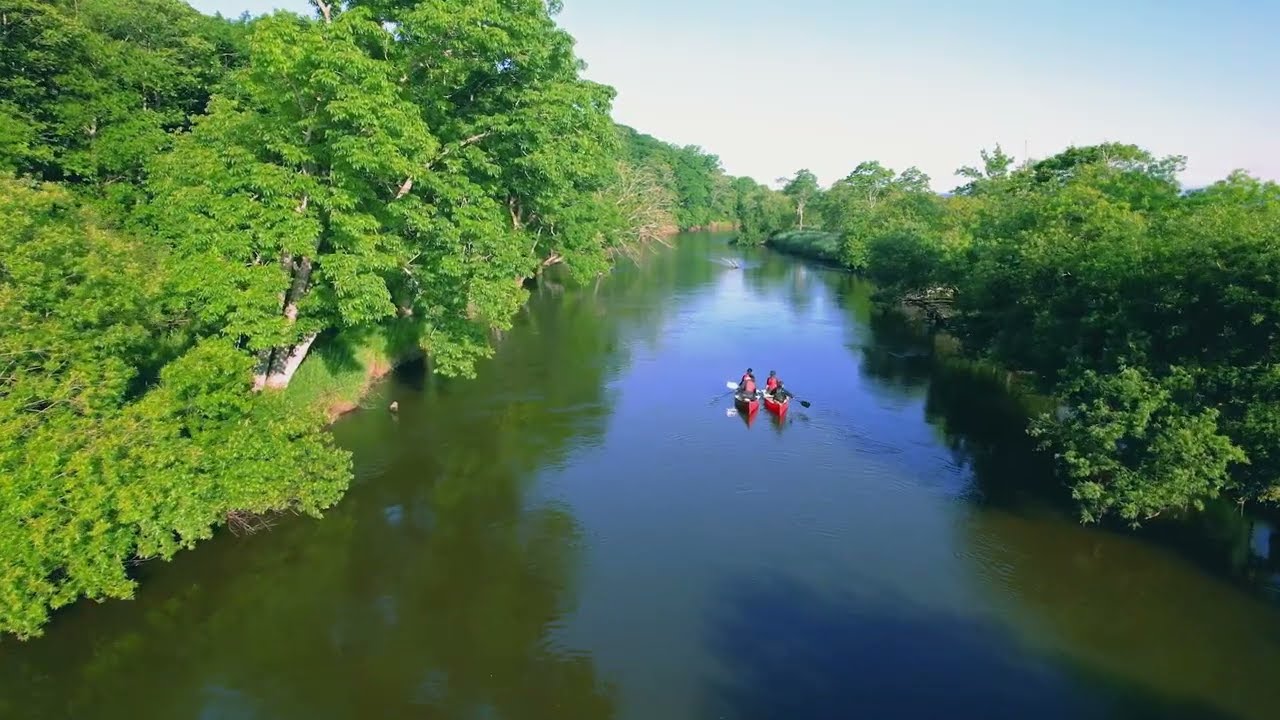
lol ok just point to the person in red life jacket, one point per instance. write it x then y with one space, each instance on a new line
781 394
747 385
772 383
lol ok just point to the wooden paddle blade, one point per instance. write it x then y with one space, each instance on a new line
806 403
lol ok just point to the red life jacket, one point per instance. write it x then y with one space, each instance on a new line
749 385
771 384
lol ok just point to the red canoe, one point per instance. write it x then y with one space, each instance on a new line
748 404
775 407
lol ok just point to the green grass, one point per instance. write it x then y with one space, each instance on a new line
814 244
341 367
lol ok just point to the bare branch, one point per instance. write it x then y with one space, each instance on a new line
405 188
325 10
447 151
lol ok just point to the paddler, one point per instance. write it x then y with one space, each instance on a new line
781 394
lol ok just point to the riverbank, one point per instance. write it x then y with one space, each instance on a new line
725 226
341 371
816 245
343 368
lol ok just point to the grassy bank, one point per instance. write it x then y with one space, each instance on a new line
717 226
339 372
812 244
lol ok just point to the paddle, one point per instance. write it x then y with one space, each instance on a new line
803 403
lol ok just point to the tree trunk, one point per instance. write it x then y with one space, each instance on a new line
326 10
301 282
276 367
288 363
513 207
261 369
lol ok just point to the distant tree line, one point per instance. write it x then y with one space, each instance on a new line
704 196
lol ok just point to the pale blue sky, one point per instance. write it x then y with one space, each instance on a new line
773 86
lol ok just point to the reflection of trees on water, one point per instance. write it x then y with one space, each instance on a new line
982 417
983 422
893 353
792 652
640 296
771 273
896 358
434 590
1129 609
1117 606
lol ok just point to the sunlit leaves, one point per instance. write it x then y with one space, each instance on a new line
1153 314
703 193
98 83
264 182
1131 446
119 439
873 202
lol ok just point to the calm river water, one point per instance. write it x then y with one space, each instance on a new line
588 531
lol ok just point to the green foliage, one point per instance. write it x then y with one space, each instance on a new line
815 244
874 201
995 165
901 261
640 205
1131 445
121 438
89 88
502 72
704 195
801 189
380 176
418 172
1152 313
761 212
305 168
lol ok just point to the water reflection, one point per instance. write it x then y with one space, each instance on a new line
439 595
980 413
789 651
1127 608
1105 602
896 357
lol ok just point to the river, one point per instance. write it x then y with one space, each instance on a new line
587 530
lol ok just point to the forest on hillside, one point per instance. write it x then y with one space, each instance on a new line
1151 313
190 205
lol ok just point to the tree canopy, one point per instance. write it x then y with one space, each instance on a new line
189 203
704 195
1151 313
